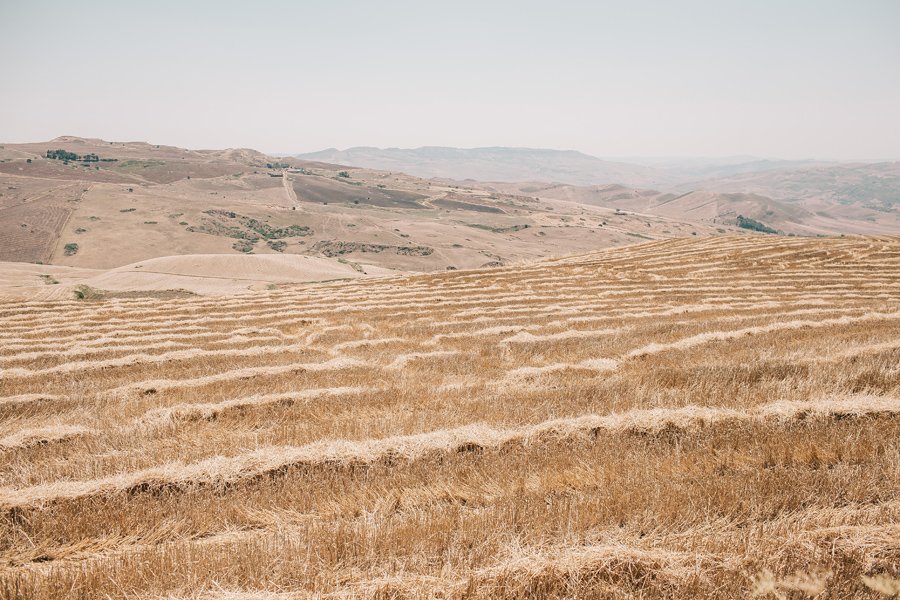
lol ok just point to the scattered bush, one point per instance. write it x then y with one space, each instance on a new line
143 164
84 292
245 246
70 249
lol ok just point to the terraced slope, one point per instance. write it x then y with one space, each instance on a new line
703 417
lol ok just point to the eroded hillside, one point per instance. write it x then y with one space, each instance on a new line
121 203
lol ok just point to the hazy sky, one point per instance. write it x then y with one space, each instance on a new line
784 78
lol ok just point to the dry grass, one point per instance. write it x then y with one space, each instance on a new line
705 417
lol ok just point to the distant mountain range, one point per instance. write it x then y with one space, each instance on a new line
497 164
802 196
552 166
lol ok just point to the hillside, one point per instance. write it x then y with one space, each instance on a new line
863 186
174 276
554 166
801 197
710 417
123 203
497 164
811 215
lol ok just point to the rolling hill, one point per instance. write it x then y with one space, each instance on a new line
98 205
802 197
497 164
503 164
713 417
817 213
119 204
864 186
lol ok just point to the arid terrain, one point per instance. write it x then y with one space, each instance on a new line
799 197
450 301
122 218
713 416
817 214
99 222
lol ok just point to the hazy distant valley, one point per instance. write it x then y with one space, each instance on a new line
801 197
105 207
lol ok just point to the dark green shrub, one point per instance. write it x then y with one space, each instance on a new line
753 225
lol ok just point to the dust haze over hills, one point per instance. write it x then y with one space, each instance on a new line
101 206
797 196
552 166
497 164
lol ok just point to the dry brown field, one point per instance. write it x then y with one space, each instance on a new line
703 417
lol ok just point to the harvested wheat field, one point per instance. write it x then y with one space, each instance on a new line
711 417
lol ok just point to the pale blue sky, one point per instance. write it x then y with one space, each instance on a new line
786 78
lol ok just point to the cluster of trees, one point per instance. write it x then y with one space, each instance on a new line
67 156
277 165
62 155
753 224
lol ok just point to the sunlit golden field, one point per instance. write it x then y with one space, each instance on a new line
704 417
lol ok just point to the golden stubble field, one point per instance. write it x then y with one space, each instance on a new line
712 417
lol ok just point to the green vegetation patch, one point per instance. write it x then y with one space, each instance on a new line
753 225
66 156
142 164
333 248
231 224
70 249
245 246
507 229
